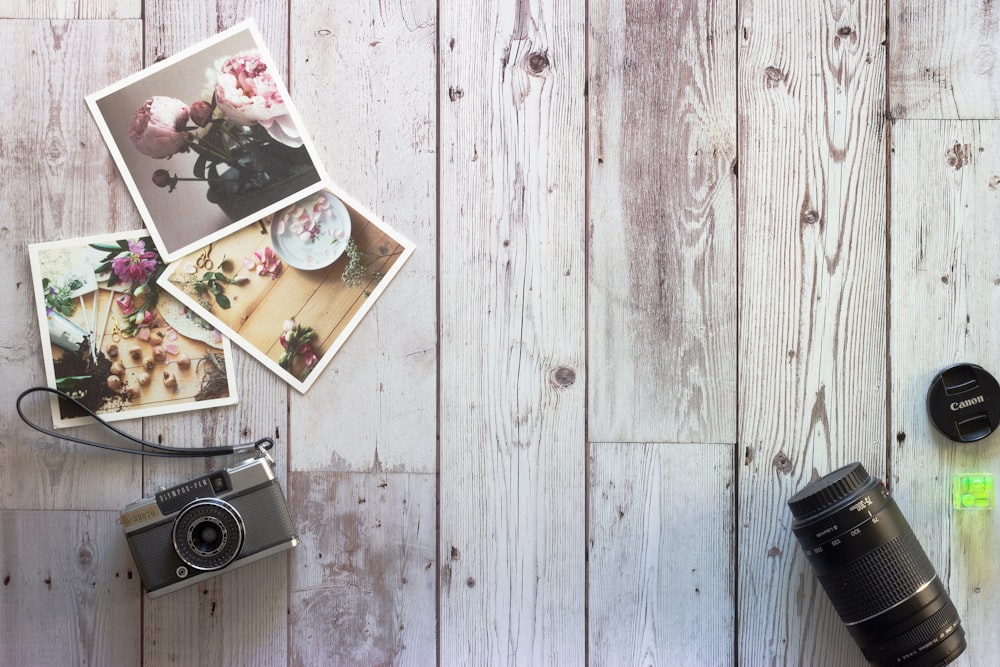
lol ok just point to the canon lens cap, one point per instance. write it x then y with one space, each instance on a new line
964 402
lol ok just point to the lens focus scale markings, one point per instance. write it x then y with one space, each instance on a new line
875 572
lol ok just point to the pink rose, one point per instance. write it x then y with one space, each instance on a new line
246 93
158 126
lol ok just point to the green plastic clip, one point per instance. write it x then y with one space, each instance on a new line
972 491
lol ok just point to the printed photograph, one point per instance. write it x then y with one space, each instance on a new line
114 340
207 141
291 288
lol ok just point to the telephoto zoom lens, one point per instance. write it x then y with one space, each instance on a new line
876 573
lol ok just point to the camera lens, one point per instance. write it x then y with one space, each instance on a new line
208 534
875 572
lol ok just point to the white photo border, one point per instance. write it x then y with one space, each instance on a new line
34 250
302 386
93 99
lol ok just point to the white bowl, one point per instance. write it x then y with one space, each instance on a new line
312 233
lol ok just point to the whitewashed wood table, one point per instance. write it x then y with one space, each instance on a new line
674 260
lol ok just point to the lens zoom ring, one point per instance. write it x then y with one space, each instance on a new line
878 580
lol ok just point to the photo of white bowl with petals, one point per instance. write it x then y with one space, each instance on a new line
312 233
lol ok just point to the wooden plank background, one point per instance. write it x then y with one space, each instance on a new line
673 261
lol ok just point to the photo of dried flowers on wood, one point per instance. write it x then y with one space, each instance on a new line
292 288
114 340
207 141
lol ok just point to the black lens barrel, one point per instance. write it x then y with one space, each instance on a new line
874 570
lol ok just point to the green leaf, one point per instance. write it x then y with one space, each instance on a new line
71 381
208 276
103 268
222 300
75 285
214 287
219 276
123 244
199 288
45 283
103 247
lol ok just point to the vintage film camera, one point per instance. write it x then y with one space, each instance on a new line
208 525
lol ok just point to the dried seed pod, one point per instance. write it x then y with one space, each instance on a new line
148 363
132 392
143 379
183 362
159 353
156 337
169 380
114 382
135 352
118 368
113 351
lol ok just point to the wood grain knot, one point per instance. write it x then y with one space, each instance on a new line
958 156
782 462
562 377
538 62
845 31
85 558
773 76
455 93
810 217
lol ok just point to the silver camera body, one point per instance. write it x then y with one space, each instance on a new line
208 525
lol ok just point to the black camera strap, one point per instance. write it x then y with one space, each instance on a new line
147 448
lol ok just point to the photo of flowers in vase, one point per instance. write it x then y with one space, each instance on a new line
114 340
291 289
207 141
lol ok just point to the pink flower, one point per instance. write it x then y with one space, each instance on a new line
246 93
308 354
158 126
125 302
135 266
306 228
265 262
201 113
143 319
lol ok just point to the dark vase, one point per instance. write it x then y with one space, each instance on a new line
266 171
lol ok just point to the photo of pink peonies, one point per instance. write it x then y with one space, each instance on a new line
207 141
